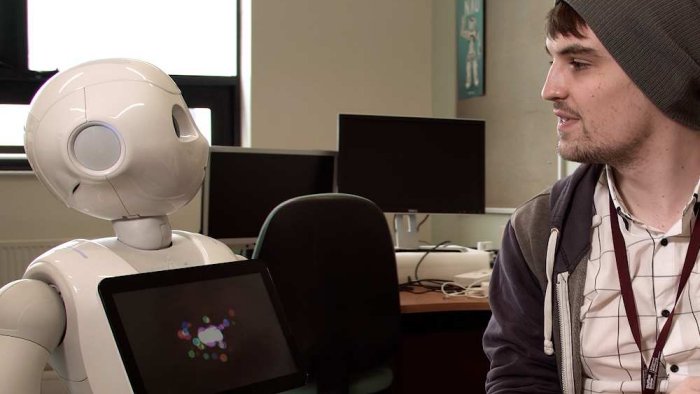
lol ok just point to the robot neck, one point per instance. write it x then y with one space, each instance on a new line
146 233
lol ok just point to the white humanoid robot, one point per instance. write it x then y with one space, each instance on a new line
112 139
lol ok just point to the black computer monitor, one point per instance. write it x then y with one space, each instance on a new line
411 164
243 185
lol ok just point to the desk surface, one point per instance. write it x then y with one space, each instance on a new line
435 301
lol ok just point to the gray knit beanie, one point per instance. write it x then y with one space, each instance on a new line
657 43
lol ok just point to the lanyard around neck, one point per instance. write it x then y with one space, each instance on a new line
649 373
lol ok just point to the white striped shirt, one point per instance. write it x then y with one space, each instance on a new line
611 361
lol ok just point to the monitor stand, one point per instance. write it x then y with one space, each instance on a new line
406 230
406 236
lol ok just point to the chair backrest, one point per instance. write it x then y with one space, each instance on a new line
332 260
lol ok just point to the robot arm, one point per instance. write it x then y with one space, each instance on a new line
32 323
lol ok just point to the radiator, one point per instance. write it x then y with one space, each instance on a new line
15 256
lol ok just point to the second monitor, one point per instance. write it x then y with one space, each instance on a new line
413 165
243 185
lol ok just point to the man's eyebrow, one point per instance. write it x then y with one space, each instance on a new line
574 49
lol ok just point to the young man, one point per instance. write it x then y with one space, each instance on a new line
581 298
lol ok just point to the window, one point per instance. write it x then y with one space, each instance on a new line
195 42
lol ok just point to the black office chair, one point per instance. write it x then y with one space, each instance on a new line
332 260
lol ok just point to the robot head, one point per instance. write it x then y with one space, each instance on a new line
114 139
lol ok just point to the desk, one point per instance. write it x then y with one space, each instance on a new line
435 301
440 347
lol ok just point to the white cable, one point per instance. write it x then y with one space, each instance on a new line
469 291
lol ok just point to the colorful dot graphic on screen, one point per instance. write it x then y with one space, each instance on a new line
207 340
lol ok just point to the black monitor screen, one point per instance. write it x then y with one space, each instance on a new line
408 164
206 329
243 185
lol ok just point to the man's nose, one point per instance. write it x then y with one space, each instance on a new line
554 88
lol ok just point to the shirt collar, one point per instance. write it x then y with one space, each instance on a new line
689 212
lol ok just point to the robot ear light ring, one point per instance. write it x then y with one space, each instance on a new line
96 148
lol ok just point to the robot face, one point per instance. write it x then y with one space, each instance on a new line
114 139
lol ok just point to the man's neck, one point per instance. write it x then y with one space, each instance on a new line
657 185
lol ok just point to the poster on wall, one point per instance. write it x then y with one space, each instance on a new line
470 48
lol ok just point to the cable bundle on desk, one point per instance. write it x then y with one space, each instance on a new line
468 291
447 287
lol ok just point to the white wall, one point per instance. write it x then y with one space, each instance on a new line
313 59
28 211
521 137
520 127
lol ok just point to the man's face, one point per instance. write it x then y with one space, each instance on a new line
603 117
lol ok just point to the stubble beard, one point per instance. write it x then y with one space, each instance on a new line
619 154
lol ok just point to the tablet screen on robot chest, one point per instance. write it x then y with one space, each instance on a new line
207 329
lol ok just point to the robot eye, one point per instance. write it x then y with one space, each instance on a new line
183 124
176 126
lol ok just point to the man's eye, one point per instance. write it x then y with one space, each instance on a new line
577 65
